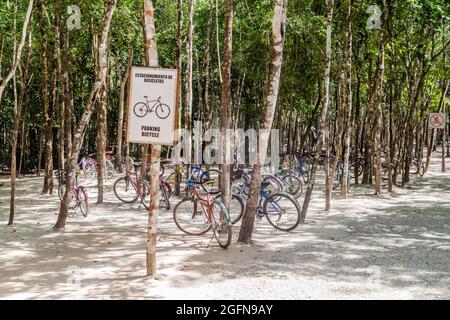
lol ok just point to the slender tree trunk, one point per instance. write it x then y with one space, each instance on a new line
189 88
48 175
226 106
349 103
178 176
151 60
18 53
271 99
123 86
102 126
323 123
18 104
379 98
84 120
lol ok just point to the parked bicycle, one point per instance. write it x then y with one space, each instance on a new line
79 196
199 176
281 209
195 216
131 187
91 166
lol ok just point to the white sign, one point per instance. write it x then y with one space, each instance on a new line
438 121
152 106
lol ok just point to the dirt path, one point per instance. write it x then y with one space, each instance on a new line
366 248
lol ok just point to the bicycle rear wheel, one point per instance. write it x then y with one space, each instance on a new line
236 208
110 171
293 185
82 200
125 190
222 226
164 196
272 184
127 164
282 211
189 217
144 188
210 181
89 169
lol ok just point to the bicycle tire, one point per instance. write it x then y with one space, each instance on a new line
275 184
82 197
129 185
89 169
165 197
161 111
109 168
185 212
295 191
207 176
222 226
144 193
138 113
274 201
237 206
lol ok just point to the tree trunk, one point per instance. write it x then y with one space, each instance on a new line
48 176
189 89
271 98
379 98
323 123
123 86
84 120
226 107
18 53
349 103
102 126
178 176
151 60
18 103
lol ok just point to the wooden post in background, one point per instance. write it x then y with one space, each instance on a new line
151 60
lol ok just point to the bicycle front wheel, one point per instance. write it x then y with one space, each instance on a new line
125 190
163 111
82 200
293 185
144 188
109 169
236 208
282 211
210 181
190 218
221 224
90 170
127 164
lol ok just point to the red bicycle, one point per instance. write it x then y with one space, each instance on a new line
195 216
79 199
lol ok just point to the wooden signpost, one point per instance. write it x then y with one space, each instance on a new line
152 115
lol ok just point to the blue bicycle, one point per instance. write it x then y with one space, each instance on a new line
198 177
281 209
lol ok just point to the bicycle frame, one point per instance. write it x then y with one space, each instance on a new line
156 102
262 196
203 202
134 180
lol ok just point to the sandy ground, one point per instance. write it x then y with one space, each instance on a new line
365 248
